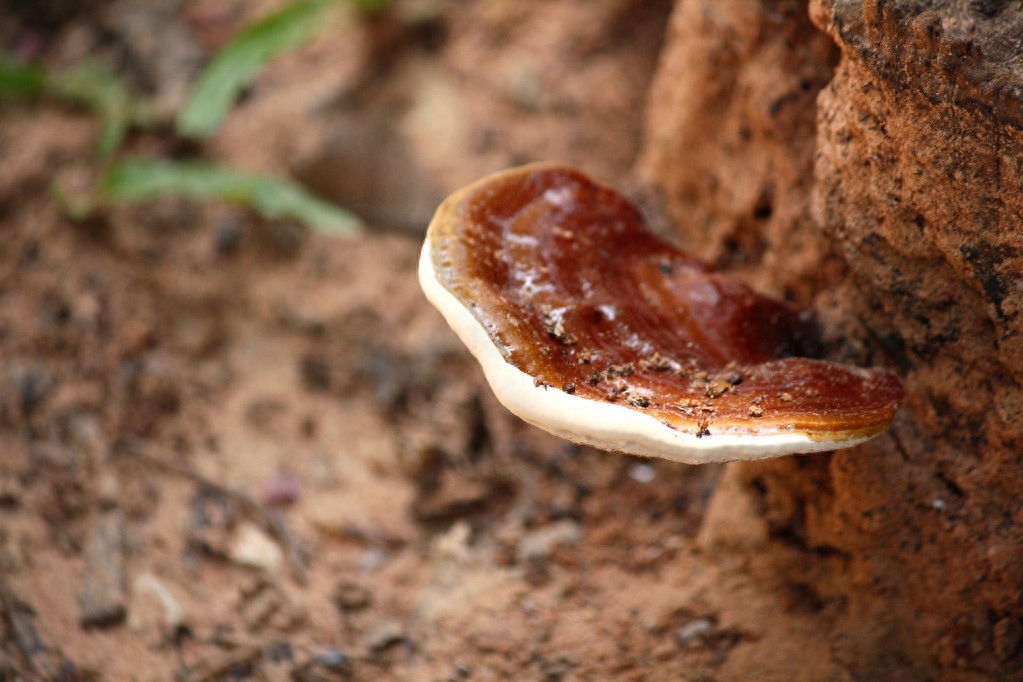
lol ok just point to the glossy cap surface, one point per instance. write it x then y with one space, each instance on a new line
591 327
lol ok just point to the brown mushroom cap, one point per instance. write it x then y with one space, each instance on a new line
593 328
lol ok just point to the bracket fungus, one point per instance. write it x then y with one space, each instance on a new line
596 330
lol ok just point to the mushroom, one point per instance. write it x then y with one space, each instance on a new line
591 327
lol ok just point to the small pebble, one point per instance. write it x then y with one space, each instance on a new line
386 635
253 547
227 237
33 383
279 651
107 489
104 595
537 545
371 559
642 473
694 630
333 660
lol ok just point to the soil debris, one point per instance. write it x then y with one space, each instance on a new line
104 598
295 553
42 661
350 596
217 665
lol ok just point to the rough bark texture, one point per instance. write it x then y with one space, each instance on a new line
730 138
919 170
915 185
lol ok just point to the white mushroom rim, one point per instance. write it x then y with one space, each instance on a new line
604 425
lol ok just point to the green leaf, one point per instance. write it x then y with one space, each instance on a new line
89 85
20 81
139 179
237 64
93 86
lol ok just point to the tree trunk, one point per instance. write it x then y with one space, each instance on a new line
883 185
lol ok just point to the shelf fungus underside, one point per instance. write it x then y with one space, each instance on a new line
593 328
